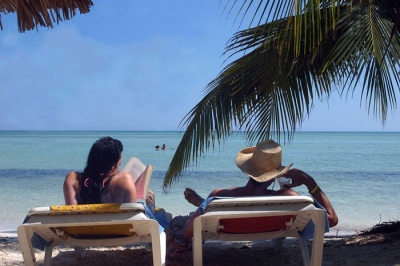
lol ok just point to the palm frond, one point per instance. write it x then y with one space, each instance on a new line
263 92
289 64
310 20
44 13
367 53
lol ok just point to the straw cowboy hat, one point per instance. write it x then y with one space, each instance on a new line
262 162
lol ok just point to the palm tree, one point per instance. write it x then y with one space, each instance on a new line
34 13
303 52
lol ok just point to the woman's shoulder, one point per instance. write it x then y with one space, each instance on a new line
122 178
71 187
123 175
73 177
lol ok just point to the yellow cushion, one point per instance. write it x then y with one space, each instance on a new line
88 208
93 231
100 231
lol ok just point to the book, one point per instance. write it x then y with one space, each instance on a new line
141 175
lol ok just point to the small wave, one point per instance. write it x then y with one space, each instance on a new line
32 173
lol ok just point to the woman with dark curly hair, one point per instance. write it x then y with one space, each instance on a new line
100 181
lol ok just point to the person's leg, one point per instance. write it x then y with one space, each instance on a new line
160 215
285 192
192 197
151 199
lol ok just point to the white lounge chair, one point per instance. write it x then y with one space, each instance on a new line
258 218
90 225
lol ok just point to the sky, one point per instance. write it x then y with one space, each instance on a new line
132 65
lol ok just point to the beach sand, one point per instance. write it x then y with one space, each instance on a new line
374 248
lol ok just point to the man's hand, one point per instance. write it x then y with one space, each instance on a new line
299 178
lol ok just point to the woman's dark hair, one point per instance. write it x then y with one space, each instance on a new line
101 162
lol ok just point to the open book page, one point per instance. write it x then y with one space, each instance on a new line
141 175
135 167
142 185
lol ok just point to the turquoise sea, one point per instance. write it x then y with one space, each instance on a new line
359 171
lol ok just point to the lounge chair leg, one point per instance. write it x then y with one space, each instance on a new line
158 244
24 237
319 219
163 248
278 244
197 243
48 253
80 252
304 252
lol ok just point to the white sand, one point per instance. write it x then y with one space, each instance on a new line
336 252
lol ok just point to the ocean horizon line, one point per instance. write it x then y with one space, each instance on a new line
182 131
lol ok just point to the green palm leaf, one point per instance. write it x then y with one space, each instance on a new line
291 62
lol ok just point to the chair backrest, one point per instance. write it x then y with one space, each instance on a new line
251 221
246 202
253 225
97 231
86 209
259 218
92 231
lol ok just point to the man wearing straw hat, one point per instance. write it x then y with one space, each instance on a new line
262 164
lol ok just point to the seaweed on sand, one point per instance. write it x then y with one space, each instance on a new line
380 233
